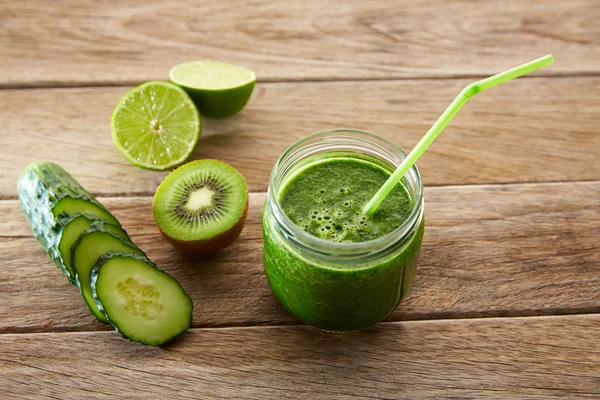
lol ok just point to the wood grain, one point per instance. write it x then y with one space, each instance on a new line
522 358
106 42
509 250
531 130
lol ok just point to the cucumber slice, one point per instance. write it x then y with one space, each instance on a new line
82 205
93 243
73 227
142 302
45 191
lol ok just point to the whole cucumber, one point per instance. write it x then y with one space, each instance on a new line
48 194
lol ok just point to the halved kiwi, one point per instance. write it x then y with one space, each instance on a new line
201 207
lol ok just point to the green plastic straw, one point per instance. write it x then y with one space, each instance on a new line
445 118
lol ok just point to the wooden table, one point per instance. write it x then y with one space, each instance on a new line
507 299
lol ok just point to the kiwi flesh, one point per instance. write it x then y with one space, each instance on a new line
201 207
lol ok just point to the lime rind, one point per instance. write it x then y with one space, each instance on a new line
218 89
156 126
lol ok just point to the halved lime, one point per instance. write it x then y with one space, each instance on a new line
218 89
156 126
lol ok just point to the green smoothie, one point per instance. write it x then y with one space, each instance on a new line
324 198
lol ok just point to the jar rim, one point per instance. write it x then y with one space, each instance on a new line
310 242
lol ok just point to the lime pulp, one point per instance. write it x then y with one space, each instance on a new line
156 126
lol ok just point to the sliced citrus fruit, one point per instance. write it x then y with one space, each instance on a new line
219 89
156 126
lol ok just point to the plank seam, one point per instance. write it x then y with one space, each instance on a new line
129 83
586 313
467 185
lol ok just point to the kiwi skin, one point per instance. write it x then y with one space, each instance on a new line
213 244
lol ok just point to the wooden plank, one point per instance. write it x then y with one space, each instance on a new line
522 358
510 250
531 130
105 42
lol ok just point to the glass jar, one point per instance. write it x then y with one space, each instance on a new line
340 286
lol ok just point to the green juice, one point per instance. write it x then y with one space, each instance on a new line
324 198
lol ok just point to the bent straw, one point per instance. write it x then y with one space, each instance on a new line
445 118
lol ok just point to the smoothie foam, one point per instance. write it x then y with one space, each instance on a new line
326 199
